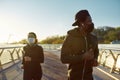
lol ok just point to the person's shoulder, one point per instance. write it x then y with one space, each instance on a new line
39 46
72 30
75 32
93 36
26 46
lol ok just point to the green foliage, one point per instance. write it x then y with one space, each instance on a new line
106 34
23 41
53 40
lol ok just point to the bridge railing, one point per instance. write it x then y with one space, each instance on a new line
109 56
9 59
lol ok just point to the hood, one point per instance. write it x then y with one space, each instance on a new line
74 32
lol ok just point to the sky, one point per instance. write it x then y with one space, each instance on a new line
51 17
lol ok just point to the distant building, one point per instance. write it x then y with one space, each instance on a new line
115 42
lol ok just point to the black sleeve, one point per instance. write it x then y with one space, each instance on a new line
71 59
96 52
23 54
67 56
40 55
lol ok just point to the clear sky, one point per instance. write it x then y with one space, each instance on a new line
51 17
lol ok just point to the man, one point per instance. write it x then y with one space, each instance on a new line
33 56
80 48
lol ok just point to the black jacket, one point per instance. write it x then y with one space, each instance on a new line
72 52
35 52
32 69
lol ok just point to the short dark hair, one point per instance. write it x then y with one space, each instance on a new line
33 34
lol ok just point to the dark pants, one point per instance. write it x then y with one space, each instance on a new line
88 77
76 71
33 72
33 77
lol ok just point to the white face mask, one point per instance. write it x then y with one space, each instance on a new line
31 40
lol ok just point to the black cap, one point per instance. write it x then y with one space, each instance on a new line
80 16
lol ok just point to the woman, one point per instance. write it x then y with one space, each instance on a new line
33 56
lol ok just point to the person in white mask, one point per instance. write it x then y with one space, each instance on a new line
33 56
31 41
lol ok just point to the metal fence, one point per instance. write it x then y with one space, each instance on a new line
109 56
10 57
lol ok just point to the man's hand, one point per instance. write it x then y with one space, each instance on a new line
89 55
27 58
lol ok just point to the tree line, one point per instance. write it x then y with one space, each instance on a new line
107 34
104 34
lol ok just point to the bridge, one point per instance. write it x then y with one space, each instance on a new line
53 69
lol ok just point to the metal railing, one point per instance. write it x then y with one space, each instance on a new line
10 57
109 56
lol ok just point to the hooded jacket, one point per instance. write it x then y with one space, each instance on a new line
74 46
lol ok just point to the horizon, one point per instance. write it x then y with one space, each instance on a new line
49 18
49 36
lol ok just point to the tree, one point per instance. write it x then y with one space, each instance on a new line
53 40
24 41
105 34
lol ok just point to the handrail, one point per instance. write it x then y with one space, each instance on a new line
107 53
11 50
11 47
112 55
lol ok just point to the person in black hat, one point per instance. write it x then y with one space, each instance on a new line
80 48
33 56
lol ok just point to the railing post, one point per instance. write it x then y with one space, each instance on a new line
106 56
2 75
115 60
101 56
11 54
1 52
17 51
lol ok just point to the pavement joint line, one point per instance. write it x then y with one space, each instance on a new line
108 74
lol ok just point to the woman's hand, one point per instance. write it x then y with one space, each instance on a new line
27 58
